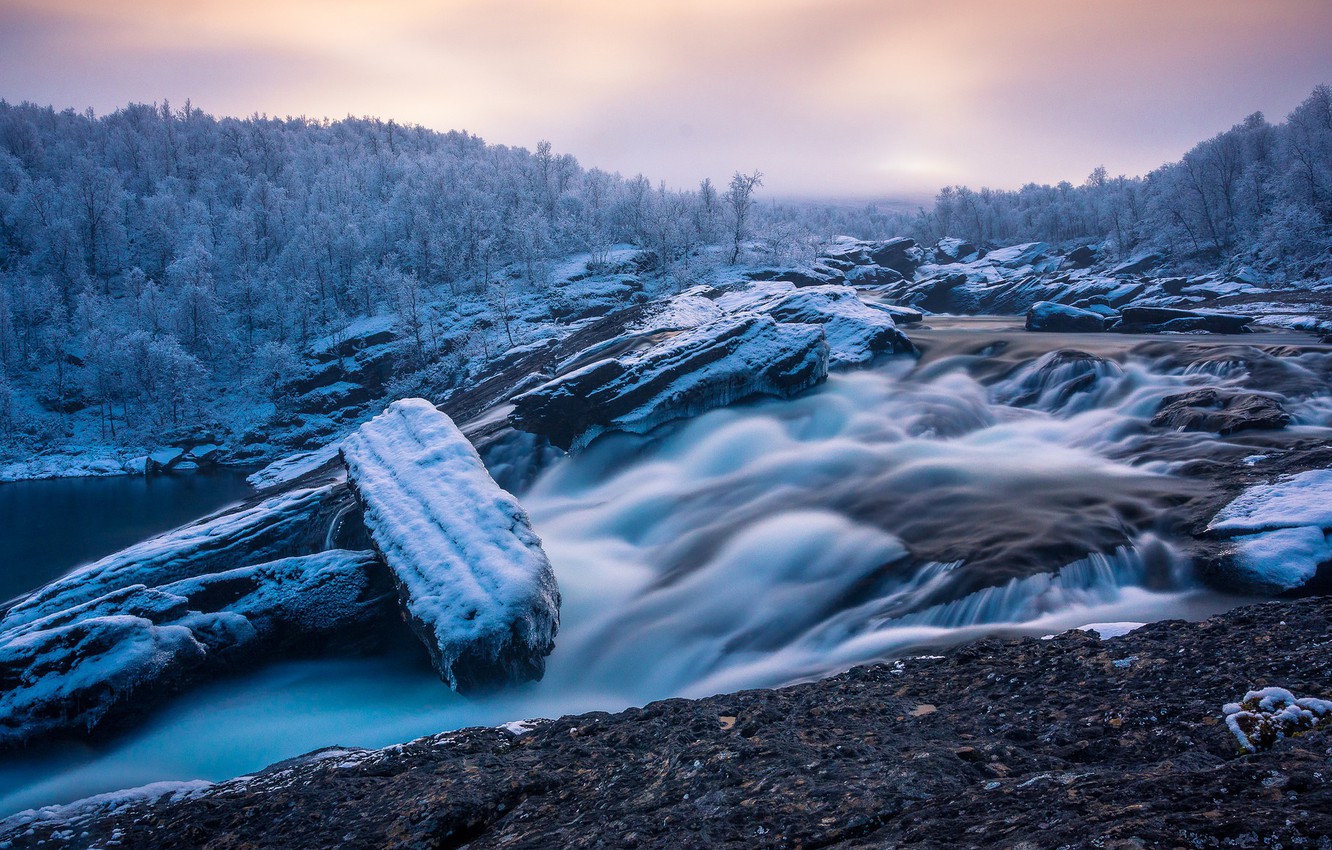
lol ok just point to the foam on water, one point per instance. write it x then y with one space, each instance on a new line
880 514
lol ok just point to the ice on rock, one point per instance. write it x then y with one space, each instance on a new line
1106 631
1267 715
1304 499
1281 530
471 574
1283 559
289 468
734 357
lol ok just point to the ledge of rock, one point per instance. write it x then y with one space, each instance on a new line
707 366
115 656
1069 742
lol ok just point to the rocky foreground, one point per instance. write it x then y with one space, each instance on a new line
1067 742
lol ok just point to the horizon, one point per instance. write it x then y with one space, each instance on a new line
864 101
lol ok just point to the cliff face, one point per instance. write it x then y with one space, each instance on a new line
1067 742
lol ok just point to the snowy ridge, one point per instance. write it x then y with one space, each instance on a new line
470 571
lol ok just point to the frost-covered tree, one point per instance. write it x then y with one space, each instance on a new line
740 201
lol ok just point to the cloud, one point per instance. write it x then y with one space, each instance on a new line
834 97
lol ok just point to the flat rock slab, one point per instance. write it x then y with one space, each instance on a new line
1070 742
112 658
472 578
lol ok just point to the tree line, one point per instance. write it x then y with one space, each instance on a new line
160 247
1258 192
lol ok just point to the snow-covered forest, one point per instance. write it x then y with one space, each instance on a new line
160 267
1257 190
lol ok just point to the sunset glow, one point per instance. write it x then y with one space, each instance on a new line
852 97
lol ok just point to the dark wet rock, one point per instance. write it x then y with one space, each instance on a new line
699 369
1049 317
1138 265
1220 412
1071 742
937 294
1082 257
1164 320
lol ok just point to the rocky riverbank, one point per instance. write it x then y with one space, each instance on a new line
1069 742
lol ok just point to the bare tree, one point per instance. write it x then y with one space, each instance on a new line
740 198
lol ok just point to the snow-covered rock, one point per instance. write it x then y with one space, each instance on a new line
901 254
289 468
1281 532
165 458
291 523
1267 715
705 367
856 331
477 587
1293 501
1060 318
1284 559
950 249
73 669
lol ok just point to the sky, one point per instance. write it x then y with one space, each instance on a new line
846 99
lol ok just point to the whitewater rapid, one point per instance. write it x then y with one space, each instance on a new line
890 511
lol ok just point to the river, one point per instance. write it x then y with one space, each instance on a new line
761 544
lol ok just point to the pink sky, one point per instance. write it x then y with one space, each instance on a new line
836 98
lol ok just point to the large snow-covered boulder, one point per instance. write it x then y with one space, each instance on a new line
107 658
1050 317
1281 533
733 357
471 575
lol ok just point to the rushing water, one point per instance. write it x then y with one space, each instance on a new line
888 512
